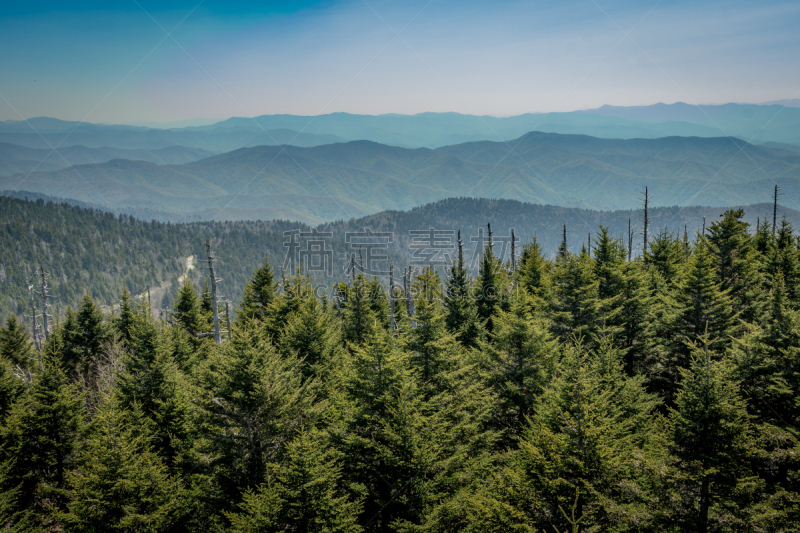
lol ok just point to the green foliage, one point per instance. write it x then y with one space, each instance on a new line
659 394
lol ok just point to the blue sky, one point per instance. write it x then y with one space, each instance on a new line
113 61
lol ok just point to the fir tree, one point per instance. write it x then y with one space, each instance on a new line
186 312
259 293
124 323
710 431
40 438
122 485
462 313
306 493
735 256
576 304
519 363
255 402
666 254
15 344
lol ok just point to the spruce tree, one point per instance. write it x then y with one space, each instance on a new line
737 270
121 484
306 493
518 363
40 438
15 344
576 305
259 293
666 254
710 431
462 313
186 312
254 402
312 335
124 323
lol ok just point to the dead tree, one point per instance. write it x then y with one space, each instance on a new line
36 340
704 227
630 240
45 296
686 241
646 220
589 244
228 317
392 320
775 210
513 249
214 314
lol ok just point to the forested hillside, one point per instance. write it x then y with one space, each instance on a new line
88 250
581 392
350 180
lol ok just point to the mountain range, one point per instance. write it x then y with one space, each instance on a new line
758 124
358 178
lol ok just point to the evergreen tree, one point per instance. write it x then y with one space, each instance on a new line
121 484
255 402
735 256
15 344
462 313
710 431
186 312
783 256
124 323
259 293
575 453
534 272
666 254
519 363
93 332
304 494
359 316
40 439
431 344
576 304
312 335
489 288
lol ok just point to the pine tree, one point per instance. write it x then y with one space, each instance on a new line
710 431
15 344
306 492
121 484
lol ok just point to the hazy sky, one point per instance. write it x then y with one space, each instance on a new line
113 61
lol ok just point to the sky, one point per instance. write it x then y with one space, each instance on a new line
140 61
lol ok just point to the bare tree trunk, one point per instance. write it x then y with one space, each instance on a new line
45 296
36 340
646 221
392 321
215 315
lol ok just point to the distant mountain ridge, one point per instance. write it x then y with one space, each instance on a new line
355 179
753 123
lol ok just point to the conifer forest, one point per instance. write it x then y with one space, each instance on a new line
582 391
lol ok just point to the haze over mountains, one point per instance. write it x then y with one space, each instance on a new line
752 123
341 181
340 166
